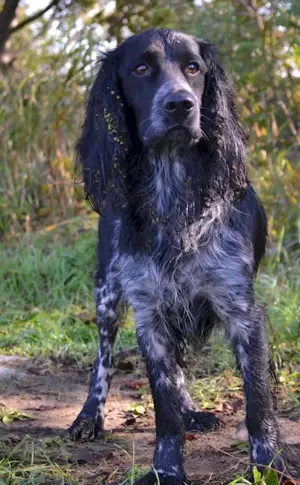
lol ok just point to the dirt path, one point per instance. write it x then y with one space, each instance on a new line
53 396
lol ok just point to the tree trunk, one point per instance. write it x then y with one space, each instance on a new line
6 17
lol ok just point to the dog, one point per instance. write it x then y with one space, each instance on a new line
181 236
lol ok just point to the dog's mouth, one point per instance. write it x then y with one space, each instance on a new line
178 134
181 135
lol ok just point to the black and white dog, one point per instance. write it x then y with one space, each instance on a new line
181 235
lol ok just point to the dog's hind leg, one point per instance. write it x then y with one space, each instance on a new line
193 419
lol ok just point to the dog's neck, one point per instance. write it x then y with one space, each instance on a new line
170 184
175 200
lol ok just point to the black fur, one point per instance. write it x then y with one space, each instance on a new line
181 235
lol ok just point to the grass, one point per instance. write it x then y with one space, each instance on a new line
269 477
32 463
37 463
132 474
46 282
49 270
47 311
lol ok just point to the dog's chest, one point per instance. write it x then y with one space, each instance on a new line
159 283
213 263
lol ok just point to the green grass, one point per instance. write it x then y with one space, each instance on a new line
47 302
32 463
278 288
46 282
47 272
46 294
269 477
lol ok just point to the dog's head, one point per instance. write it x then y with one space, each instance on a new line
158 88
162 76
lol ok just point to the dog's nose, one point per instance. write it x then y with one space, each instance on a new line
179 105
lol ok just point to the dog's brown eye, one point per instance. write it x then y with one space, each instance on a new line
192 68
141 69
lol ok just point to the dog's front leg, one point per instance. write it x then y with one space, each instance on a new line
159 355
233 299
250 345
90 421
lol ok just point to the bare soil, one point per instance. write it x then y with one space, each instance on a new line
52 395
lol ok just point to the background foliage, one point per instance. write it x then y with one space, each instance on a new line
49 62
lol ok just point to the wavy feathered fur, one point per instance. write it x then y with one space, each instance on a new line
109 141
181 235
103 145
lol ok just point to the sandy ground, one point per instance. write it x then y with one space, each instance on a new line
53 395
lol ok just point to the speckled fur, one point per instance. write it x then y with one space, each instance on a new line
181 235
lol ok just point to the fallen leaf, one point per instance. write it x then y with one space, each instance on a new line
10 415
137 410
191 437
7 419
140 410
133 384
242 445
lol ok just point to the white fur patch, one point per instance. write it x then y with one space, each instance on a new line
207 271
207 228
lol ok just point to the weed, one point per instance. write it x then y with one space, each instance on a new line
268 477
29 464
8 416
134 473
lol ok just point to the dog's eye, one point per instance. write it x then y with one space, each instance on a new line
192 68
141 69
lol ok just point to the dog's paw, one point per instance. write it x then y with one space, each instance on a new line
200 421
285 461
85 428
153 478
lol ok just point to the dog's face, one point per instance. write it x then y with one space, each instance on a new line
162 80
161 88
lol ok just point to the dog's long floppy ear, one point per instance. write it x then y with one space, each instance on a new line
220 122
102 147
